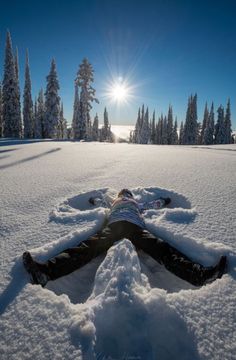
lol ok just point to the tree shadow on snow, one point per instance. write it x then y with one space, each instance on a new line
29 158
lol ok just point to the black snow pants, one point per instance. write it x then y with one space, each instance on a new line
73 258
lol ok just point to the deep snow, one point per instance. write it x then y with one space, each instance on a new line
122 305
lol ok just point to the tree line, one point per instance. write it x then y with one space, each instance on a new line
44 117
165 130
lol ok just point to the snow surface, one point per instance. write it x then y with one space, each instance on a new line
123 305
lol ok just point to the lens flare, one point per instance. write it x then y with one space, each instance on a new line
119 92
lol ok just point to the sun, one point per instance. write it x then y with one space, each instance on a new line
119 92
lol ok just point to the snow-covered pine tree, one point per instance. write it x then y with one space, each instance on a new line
28 112
164 139
174 140
37 128
220 127
1 123
106 127
138 125
52 103
153 129
18 91
40 119
181 134
62 125
170 125
84 79
95 130
204 124
191 124
227 123
208 136
76 114
10 96
159 130
145 130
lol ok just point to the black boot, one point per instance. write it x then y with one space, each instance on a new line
217 271
35 269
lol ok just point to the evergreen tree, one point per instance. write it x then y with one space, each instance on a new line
52 103
174 140
10 95
159 130
220 127
40 119
170 126
164 138
191 124
95 131
106 127
18 104
28 114
208 136
204 124
84 79
153 129
37 129
1 122
62 125
227 124
136 135
145 130
181 134
76 114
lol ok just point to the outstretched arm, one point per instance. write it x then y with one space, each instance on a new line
101 199
155 204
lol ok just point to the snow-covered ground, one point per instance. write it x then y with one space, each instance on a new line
123 305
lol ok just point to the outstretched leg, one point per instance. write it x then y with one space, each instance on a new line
70 259
176 262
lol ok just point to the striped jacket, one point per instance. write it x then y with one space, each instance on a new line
128 209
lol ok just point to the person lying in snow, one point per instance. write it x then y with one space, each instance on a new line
124 221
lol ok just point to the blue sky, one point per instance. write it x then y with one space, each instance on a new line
165 50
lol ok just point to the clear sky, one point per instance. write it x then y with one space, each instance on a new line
164 49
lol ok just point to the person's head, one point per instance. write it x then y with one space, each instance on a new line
125 193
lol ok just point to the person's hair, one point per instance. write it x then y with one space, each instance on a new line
126 192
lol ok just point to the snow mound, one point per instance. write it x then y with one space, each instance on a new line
126 317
